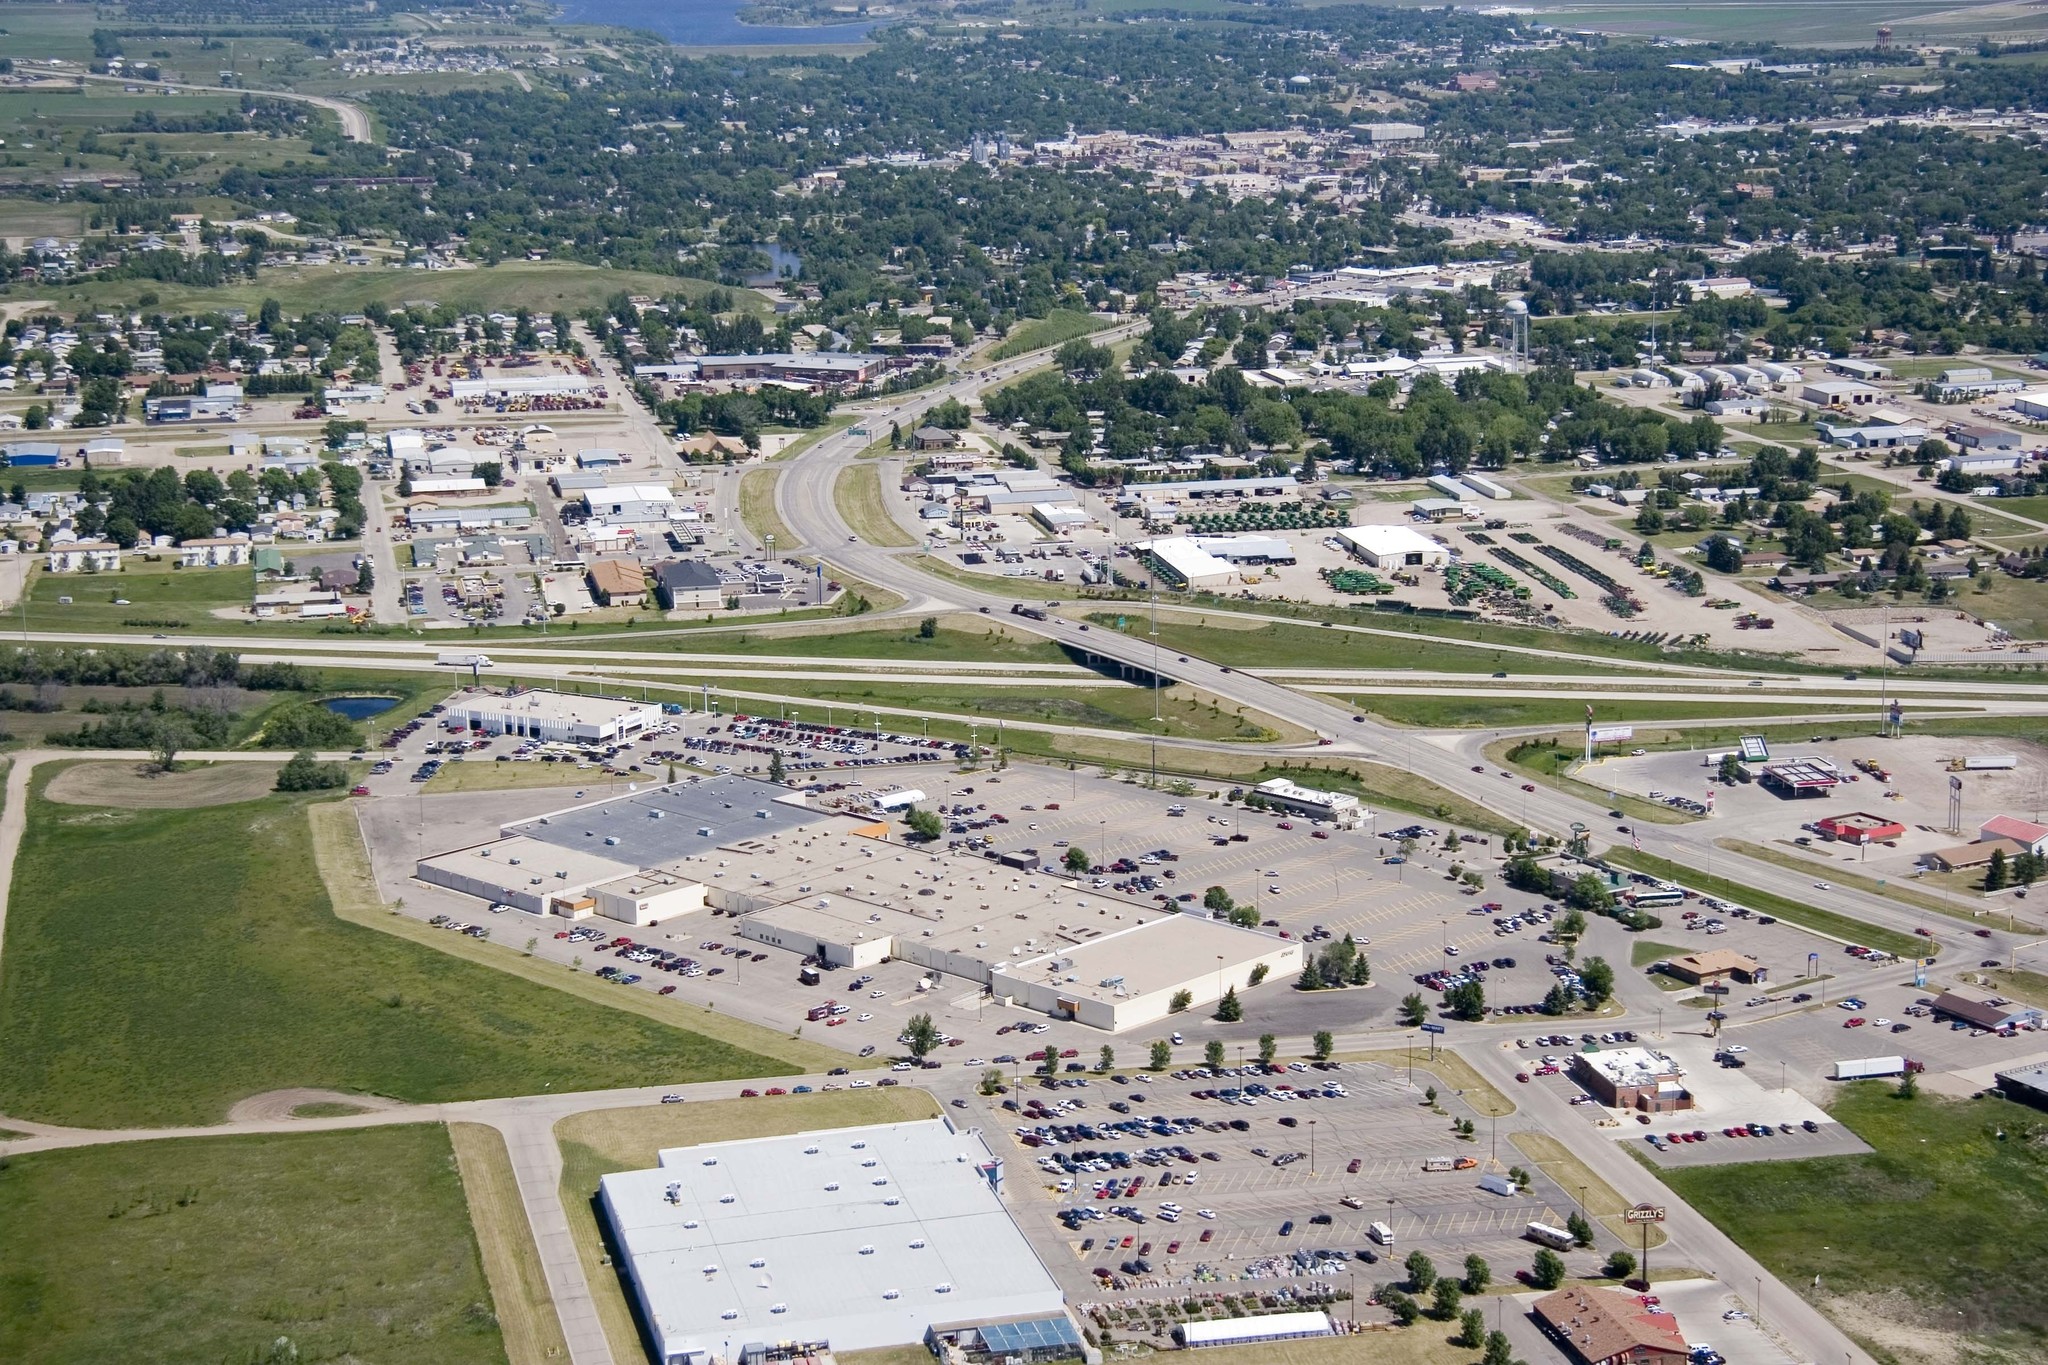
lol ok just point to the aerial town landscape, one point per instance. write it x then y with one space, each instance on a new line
1006 682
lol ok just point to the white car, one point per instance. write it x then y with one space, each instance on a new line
876 995
860 1085
862 1017
1736 1047
1205 1213
1881 1023
1823 886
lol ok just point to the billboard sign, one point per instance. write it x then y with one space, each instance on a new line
1643 1213
1611 734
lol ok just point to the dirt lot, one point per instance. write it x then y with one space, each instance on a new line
139 786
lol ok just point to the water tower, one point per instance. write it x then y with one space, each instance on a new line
1884 37
1518 324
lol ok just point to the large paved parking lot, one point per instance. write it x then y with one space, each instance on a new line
1380 1123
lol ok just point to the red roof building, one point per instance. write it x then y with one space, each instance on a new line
2027 834
1608 1327
1859 828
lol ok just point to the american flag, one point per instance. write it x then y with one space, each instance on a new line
1635 841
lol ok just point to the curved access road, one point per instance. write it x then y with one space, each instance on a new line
355 120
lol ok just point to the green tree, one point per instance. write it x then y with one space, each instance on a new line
1399 1305
1259 974
1909 1084
1731 770
1478 1275
1596 978
1217 901
1106 1060
928 628
992 1081
302 773
920 1035
1421 1272
1269 1047
1996 875
1467 1001
1325 1044
1228 1010
776 772
1212 1054
1579 1228
1077 860
1162 1054
1620 1265
1548 1270
1180 1001
1448 1298
925 824
1588 892
1499 1351
1472 1329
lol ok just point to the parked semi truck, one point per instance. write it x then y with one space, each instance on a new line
1865 1067
456 660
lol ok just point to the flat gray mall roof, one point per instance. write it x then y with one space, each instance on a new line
659 824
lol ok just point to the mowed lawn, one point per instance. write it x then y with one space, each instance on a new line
349 1245
163 964
1950 1211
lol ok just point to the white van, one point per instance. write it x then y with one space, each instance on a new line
1381 1233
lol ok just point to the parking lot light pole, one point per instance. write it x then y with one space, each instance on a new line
1311 1146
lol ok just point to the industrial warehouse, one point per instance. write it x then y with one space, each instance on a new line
832 887
844 1239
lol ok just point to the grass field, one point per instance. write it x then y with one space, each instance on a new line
352 1245
157 595
1182 713
1995 912
1239 641
599 1142
519 1289
1792 912
1897 1237
131 785
1054 329
1533 757
543 286
959 639
1426 710
757 508
858 495
221 972
1642 952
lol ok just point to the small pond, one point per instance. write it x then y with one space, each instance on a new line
360 708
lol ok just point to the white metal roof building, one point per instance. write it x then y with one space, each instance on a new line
556 716
1341 807
1185 564
531 385
631 501
1394 547
1249 1331
850 1238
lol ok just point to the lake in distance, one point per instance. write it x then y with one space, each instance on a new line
703 23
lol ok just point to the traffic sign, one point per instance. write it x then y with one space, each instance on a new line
1643 1213
1432 1028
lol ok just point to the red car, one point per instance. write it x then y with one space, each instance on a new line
777 1090
359 790
1857 1022
1522 1076
750 1094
